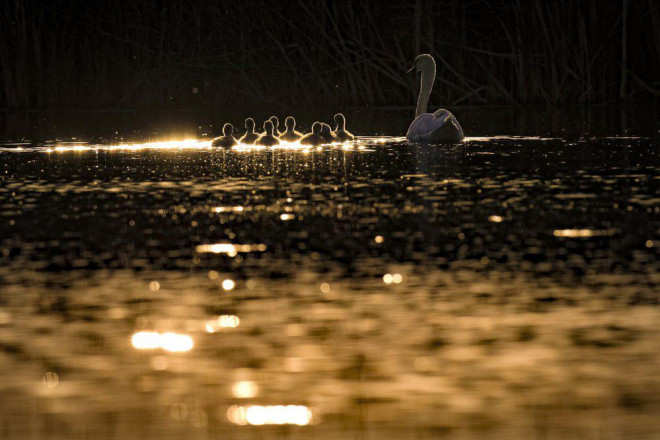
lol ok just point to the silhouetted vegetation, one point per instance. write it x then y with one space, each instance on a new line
205 53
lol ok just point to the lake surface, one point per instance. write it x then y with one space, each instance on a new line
503 287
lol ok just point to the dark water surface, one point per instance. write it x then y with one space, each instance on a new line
504 287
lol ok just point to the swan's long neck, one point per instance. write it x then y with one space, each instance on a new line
428 76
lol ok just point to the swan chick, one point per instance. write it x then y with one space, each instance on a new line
290 134
276 125
250 136
227 139
267 139
314 138
340 132
327 133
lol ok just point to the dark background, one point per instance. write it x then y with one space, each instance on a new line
154 54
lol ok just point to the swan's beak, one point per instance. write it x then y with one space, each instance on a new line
412 69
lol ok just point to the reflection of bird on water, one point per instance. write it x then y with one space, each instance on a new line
227 139
313 138
250 136
429 127
267 139
290 135
340 132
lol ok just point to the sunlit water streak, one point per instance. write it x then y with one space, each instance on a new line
507 138
360 144
245 389
582 233
270 415
230 249
168 341
222 322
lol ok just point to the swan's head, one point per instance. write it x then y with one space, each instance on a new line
317 127
290 123
340 120
268 127
275 121
423 62
228 129
325 129
249 124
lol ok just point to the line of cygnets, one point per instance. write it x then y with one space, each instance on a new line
321 133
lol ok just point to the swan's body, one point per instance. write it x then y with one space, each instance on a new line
313 138
276 125
441 126
250 136
267 139
290 135
227 139
340 132
327 134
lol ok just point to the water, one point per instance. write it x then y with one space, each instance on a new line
505 286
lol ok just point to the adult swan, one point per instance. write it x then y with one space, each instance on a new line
431 127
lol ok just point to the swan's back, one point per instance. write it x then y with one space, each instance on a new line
224 142
227 139
267 140
315 137
422 125
249 138
441 126
343 135
291 136
312 139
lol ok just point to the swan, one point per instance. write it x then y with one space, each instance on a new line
250 136
431 127
327 134
267 139
290 135
313 138
340 132
227 139
276 125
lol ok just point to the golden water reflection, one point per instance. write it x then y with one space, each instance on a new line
582 233
169 341
270 415
245 389
414 292
222 322
228 209
230 249
359 144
